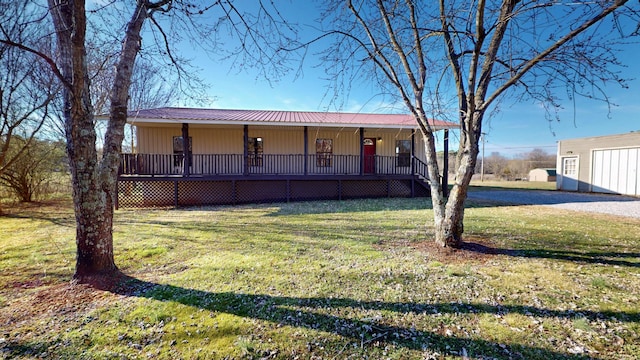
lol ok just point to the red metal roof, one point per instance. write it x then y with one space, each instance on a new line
269 117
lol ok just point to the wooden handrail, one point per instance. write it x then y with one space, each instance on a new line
268 164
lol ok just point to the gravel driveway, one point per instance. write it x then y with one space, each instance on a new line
598 203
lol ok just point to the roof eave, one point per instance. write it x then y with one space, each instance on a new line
134 121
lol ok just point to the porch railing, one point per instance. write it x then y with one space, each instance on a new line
269 164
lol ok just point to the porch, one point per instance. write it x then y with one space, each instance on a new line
166 180
187 157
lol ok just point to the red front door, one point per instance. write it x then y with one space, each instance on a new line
369 156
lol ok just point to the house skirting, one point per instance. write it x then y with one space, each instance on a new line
140 192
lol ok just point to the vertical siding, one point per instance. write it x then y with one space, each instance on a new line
212 140
278 141
386 146
616 171
156 140
217 140
345 142
283 148
589 171
633 187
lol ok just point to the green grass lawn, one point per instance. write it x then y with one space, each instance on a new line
325 280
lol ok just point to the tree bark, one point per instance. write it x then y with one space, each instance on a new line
448 214
94 182
94 240
449 229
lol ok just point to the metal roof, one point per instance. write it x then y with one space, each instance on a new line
169 115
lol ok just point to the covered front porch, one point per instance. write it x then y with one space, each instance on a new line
189 157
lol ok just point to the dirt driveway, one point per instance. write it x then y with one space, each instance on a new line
598 203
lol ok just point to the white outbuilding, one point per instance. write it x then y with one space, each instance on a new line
604 164
546 175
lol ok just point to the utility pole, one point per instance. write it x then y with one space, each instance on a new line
482 136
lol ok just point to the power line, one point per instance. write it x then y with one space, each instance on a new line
529 147
522 147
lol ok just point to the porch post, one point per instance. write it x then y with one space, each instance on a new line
245 152
413 163
413 152
186 150
176 199
445 165
116 200
306 150
361 151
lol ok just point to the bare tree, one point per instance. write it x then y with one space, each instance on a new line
471 54
27 87
496 164
32 176
152 86
94 178
538 158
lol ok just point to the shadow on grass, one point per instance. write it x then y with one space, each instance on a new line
507 196
589 257
54 217
315 313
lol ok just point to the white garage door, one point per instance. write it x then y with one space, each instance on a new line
616 171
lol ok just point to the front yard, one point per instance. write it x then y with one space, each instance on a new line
325 280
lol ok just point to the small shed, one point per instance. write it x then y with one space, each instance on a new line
545 175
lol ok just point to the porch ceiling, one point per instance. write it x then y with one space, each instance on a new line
172 115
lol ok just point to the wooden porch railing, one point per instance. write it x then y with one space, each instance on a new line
420 168
268 164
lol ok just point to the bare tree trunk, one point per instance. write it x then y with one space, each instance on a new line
448 215
94 237
438 200
94 182
450 229
93 210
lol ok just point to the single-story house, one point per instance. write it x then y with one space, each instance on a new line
605 164
546 175
190 156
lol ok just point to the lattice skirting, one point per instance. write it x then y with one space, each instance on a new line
176 193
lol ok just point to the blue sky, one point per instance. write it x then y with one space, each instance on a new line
516 128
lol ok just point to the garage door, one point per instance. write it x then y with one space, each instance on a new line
616 171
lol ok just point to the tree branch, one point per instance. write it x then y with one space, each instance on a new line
547 52
52 64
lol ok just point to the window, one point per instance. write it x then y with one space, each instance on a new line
403 153
178 150
570 167
255 148
324 152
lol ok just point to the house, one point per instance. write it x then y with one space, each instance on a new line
188 156
606 164
546 175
